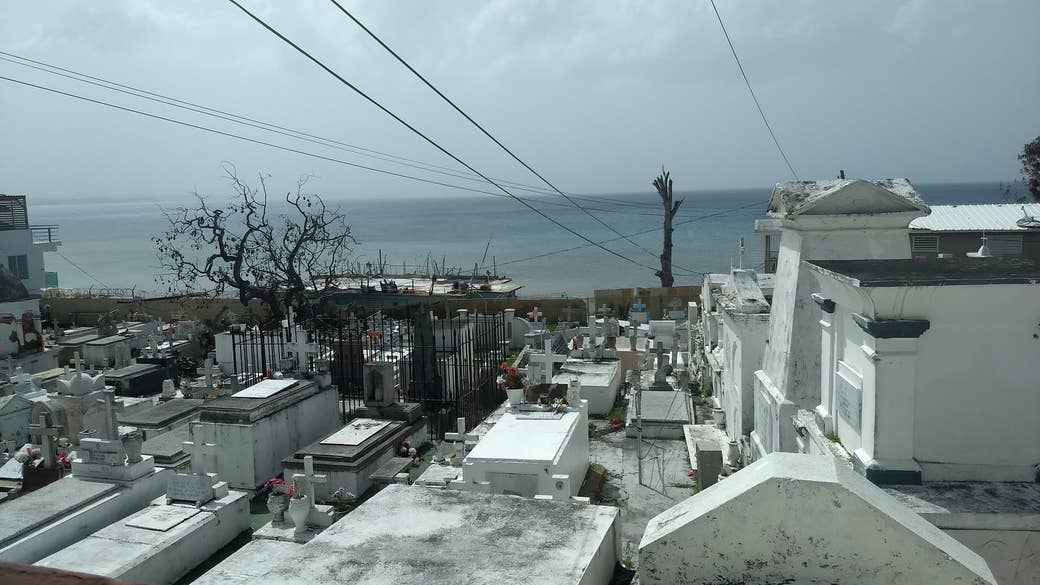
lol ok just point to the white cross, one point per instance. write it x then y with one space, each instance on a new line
209 370
199 455
309 477
459 438
546 361
593 328
77 362
536 315
50 457
300 348
108 402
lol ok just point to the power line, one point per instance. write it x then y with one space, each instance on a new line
80 268
707 216
480 127
272 145
296 134
752 92
432 142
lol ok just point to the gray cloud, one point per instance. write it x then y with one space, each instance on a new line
595 94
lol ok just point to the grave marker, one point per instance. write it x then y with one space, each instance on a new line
196 488
47 435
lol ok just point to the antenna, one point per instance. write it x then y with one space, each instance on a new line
741 264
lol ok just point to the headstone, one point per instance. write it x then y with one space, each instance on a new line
169 390
195 488
535 315
47 436
638 315
212 375
574 393
459 439
380 385
306 481
110 427
709 464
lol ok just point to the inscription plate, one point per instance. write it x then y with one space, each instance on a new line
190 488
162 518
850 401
356 432
265 389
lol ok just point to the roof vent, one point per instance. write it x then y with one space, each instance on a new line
983 251
1028 222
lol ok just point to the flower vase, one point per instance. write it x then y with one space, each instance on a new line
132 444
516 396
277 504
299 509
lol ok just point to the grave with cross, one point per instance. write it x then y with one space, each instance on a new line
48 436
203 456
305 481
545 363
459 438
109 427
638 314
535 316
299 350
211 373
79 383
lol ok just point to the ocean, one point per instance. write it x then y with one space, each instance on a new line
109 243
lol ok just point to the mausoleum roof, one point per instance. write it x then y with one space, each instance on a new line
931 271
844 197
993 217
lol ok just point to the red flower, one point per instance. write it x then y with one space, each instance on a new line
614 422
504 367
512 371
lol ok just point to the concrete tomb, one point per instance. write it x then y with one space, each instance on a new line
244 437
600 382
531 451
411 536
163 417
350 455
164 541
136 379
800 519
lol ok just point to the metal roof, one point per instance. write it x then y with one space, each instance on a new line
993 217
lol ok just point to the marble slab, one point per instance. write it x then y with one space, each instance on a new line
162 518
356 432
265 389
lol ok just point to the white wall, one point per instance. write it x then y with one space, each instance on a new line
18 242
975 408
743 340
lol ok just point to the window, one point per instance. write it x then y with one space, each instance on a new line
19 266
924 243
1005 245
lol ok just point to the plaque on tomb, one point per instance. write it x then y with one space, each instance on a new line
539 415
850 400
265 389
101 451
356 432
162 518
184 487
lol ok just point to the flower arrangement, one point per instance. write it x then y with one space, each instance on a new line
29 456
575 343
278 487
342 500
510 378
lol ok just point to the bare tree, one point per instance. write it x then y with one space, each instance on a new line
663 184
278 254
1030 159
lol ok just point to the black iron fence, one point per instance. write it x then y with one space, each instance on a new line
446 363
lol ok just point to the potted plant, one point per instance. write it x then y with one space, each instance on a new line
342 502
510 380
299 508
277 498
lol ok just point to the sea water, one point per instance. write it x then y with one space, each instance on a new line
109 243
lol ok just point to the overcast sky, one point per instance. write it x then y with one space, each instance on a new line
597 95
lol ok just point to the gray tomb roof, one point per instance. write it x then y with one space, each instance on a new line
930 272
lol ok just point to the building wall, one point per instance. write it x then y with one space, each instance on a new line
744 343
19 242
961 401
960 243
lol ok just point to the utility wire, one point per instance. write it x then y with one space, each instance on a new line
80 268
272 145
432 142
297 134
482 129
752 92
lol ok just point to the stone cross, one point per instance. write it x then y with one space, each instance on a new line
309 478
593 328
209 370
77 361
50 455
536 315
300 348
108 402
459 438
546 361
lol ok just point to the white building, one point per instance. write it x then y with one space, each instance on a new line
737 316
22 245
820 220
928 367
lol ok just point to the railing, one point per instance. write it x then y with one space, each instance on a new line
43 234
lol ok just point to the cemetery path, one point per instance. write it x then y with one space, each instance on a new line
665 483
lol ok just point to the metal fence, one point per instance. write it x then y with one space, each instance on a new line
445 362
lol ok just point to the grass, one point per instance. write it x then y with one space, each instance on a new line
619 411
833 437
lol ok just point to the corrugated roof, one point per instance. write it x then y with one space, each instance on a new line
993 217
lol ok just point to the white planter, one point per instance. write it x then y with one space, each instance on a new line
516 396
299 509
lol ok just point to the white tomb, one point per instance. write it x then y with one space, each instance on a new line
792 518
600 382
106 485
414 536
531 453
244 437
166 540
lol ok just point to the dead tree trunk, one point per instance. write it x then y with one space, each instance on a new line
663 184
